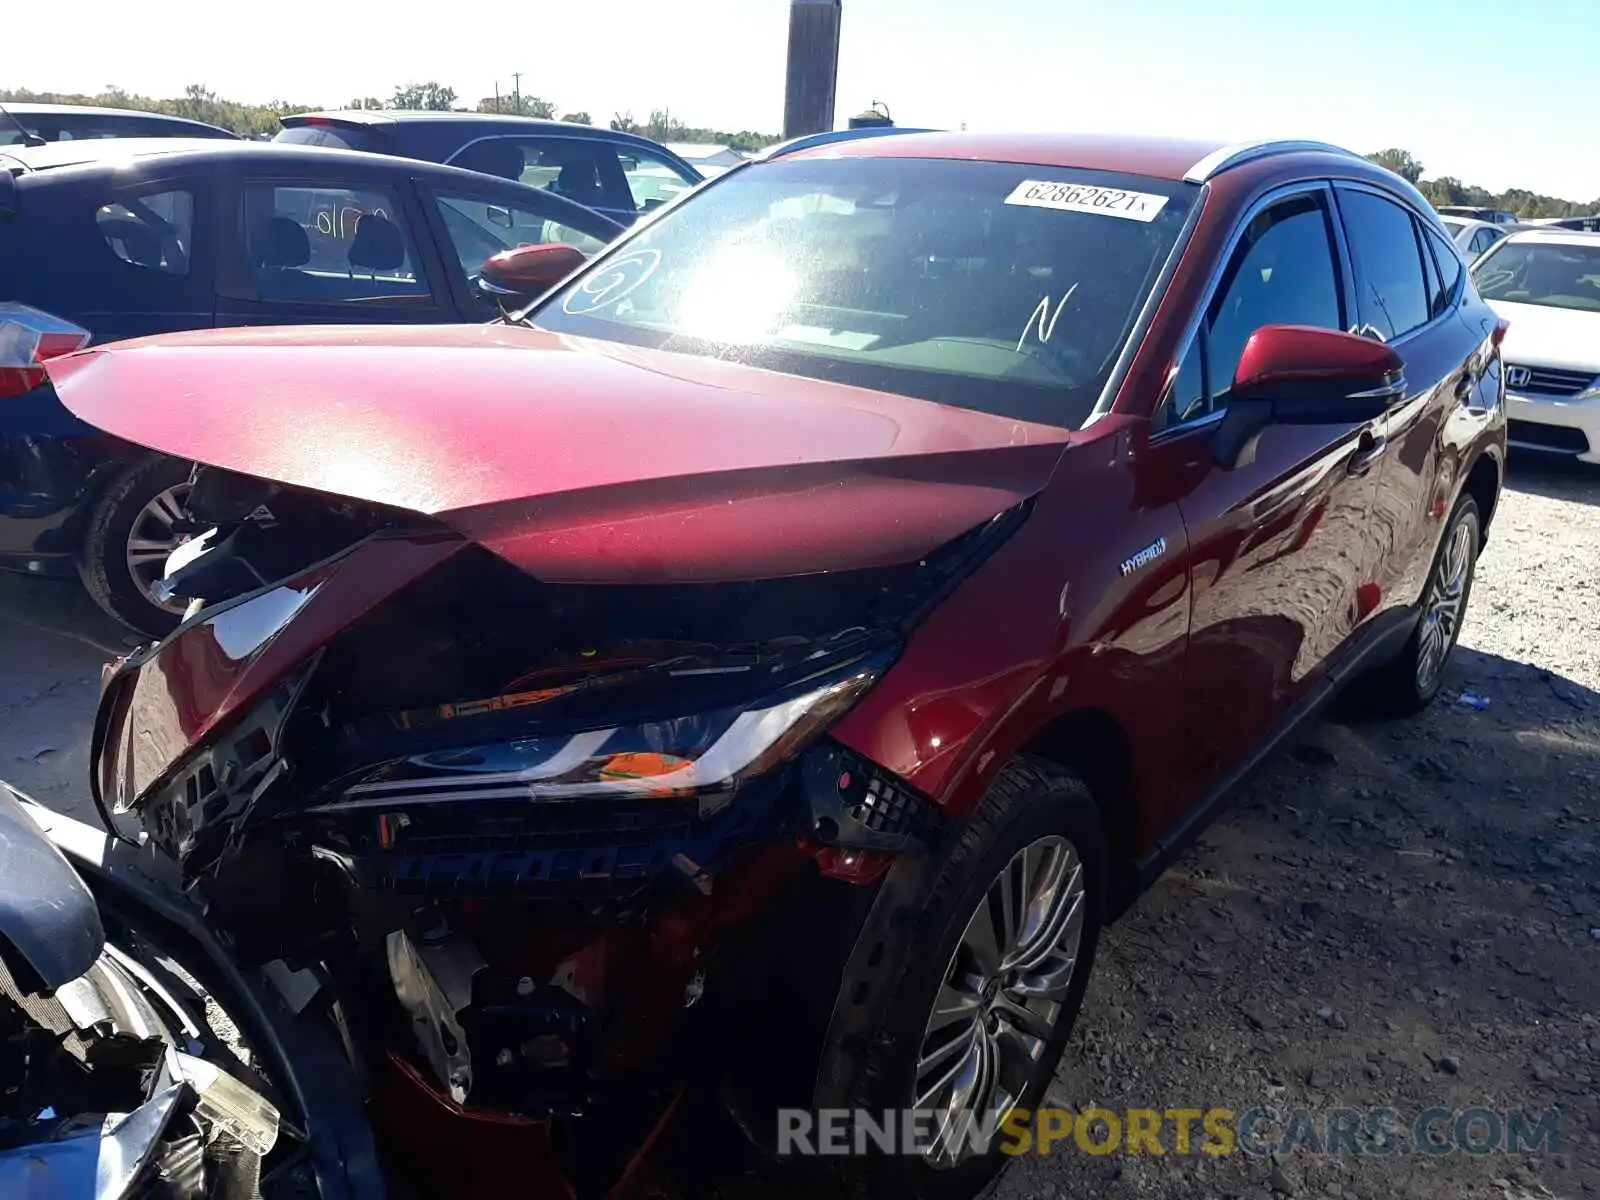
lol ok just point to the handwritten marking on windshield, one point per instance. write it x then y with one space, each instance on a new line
1043 320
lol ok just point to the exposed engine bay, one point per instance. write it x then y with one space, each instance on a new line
515 838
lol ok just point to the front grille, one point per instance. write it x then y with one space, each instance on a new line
1548 437
1547 381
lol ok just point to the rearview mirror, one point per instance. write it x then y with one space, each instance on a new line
525 273
1301 375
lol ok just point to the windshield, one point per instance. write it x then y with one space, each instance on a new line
994 286
1554 274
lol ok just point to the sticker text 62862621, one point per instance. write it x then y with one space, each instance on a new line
1083 197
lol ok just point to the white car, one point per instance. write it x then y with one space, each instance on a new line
1473 237
1546 283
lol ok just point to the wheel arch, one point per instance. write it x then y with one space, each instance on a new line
1483 485
1092 744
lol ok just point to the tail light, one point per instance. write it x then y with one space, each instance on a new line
1498 334
28 339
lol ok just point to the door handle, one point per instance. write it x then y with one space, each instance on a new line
1369 450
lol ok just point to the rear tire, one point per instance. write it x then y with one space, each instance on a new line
126 539
915 954
1407 684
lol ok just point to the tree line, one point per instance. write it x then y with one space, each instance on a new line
200 103
1447 189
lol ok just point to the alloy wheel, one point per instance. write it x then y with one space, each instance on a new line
1002 996
152 538
1441 613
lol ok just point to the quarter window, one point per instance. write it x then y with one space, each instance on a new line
1392 291
326 244
154 231
1450 269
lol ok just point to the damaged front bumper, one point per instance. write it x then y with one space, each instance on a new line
521 836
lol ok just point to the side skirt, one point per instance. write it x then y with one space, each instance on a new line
1381 646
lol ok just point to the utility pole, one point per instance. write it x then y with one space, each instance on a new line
516 82
813 66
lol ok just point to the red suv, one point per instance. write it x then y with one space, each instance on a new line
774 656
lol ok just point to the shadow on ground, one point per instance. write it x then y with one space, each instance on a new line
1554 478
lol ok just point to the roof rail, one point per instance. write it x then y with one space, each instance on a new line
1225 157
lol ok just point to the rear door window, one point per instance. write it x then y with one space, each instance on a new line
323 243
1391 285
583 170
153 231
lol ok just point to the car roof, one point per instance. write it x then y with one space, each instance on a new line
830 137
397 116
1176 159
182 153
1555 237
16 106
1470 222
379 118
97 150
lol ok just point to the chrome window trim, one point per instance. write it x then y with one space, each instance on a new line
1225 157
1276 196
1147 313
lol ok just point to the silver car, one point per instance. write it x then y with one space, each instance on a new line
1473 237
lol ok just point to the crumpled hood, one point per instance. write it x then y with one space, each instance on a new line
579 461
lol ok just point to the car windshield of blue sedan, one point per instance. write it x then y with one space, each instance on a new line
1001 287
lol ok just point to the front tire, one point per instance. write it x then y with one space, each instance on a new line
1407 684
128 535
973 966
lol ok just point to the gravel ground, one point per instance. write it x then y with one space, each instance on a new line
1397 916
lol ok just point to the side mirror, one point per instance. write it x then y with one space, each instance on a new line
1301 375
525 273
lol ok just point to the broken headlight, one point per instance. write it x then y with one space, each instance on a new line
708 755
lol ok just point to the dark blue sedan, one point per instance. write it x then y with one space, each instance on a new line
131 237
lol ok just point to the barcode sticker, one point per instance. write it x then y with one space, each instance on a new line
1082 197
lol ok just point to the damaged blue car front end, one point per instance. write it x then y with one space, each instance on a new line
135 1059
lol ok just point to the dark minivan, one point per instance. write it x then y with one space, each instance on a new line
119 239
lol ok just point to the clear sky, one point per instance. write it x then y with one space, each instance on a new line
1497 92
